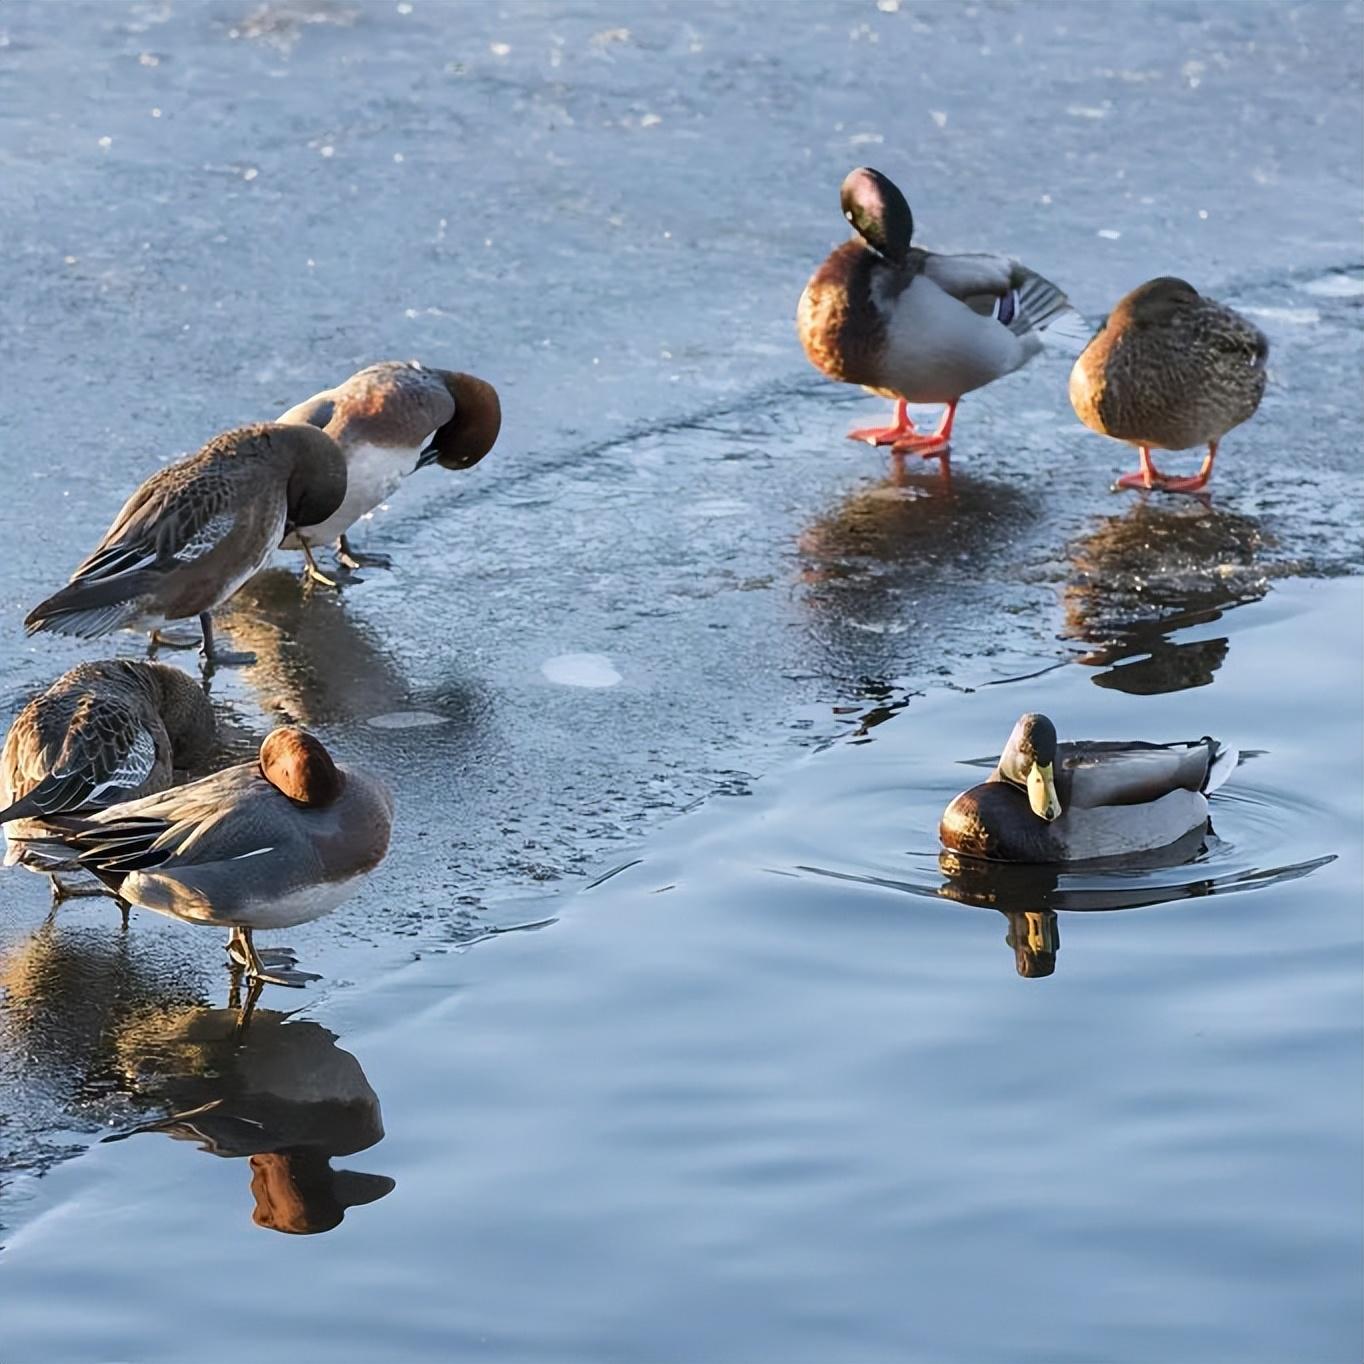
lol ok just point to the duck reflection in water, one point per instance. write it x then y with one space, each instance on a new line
877 561
1138 577
1028 895
275 1091
313 663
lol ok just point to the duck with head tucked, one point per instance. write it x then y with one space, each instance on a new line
101 733
390 420
917 326
266 844
1049 802
1170 370
195 531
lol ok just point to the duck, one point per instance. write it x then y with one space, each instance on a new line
195 531
917 326
1170 370
103 732
262 845
390 420
1049 802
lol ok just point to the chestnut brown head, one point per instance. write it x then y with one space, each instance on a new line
297 764
472 431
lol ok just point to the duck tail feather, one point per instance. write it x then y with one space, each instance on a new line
90 609
23 808
1222 762
1044 309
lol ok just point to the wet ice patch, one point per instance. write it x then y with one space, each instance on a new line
711 508
580 670
1336 285
408 719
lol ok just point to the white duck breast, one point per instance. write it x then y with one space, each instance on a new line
153 891
938 348
373 473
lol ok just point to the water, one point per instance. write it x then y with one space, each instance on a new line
776 1088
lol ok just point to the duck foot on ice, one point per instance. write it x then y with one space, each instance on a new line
1148 478
359 558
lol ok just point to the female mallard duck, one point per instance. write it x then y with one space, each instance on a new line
1168 371
1050 802
919 327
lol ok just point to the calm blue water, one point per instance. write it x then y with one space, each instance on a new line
776 1092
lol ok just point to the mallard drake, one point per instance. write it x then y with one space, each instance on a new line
1052 802
196 530
1170 370
265 844
101 733
916 326
390 420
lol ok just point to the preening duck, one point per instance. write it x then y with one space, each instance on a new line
390 420
196 530
265 844
102 733
917 326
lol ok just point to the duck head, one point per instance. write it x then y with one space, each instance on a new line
297 764
1158 300
185 711
472 431
297 1191
878 212
317 478
1028 761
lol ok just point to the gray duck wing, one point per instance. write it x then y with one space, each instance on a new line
201 820
1090 775
1002 288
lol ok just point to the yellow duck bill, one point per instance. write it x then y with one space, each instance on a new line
1046 804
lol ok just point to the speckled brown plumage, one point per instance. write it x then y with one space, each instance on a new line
102 732
1170 369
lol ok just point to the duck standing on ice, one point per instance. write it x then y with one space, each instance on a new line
390 420
916 326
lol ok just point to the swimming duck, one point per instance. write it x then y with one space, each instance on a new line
101 733
196 530
1053 802
390 420
1170 370
916 326
265 844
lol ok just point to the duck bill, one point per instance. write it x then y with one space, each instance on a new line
1046 804
428 456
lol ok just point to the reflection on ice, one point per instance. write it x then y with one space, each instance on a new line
277 1092
1157 568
